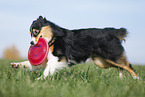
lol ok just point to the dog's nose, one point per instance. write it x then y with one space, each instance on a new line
32 42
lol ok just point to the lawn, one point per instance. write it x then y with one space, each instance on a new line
84 80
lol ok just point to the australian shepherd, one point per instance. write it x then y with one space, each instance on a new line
70 47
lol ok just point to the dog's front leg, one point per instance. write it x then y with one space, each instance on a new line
53 64
25 64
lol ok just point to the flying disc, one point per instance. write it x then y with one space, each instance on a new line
38 53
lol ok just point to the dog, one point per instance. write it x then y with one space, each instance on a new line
70 47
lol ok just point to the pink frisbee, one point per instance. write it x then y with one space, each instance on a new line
38 53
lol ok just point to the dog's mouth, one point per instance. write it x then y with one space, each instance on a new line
33 41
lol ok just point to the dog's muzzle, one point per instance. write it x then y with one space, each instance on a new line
32 42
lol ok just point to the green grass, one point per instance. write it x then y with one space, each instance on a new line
85 80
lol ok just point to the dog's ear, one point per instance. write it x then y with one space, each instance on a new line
40 17
45 20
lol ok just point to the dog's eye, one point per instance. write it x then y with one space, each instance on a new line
41 36
36 32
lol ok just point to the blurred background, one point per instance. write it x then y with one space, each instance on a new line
16 17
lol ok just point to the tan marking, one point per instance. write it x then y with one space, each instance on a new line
52 48
30 32
134 75
46 32
122 60
62 59
100 62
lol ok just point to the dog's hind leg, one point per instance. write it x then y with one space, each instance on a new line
99 61
25 64
126 67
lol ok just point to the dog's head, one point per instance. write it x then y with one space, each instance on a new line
43 28
40 28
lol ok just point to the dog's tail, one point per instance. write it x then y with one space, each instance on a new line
121 34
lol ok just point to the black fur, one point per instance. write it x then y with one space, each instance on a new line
78 45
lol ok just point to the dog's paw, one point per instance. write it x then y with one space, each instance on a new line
40 78
136 77
15 65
